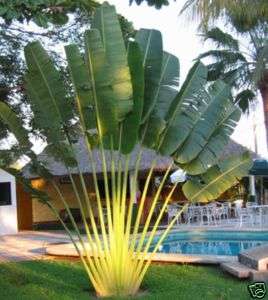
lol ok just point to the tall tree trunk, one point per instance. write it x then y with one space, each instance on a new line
264 93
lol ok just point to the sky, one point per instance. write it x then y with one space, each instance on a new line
181 39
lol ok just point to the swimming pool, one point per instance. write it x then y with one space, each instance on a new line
212 242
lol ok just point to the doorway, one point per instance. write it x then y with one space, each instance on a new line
25 209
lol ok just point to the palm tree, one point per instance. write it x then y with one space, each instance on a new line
245 66
243 14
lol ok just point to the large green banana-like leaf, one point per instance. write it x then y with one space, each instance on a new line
165 93
45 87
217 179
106 21
150 42
131 124
185 109
168 84
52 110
9 117
82 87
101 84
206 124
216 143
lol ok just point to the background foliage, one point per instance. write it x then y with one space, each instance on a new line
50 21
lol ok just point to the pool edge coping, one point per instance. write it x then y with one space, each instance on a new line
53 250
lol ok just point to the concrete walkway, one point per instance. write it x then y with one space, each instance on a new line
28 245
251 263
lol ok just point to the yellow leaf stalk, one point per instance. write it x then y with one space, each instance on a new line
116 254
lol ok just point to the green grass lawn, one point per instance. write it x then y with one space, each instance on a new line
66 280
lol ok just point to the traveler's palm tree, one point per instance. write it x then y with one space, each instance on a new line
246 67
124 99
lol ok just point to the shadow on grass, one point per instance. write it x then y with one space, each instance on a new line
61 280
47 279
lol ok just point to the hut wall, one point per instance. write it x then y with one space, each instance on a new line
41 213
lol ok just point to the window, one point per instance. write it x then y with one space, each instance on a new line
5 193
65 180
101 185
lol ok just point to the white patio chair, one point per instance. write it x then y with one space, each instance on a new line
224 211
204 215
216 214
210 212
192 214
251 215
264 215
172 211
258 214
245 216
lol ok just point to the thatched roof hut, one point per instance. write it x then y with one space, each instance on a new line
57 168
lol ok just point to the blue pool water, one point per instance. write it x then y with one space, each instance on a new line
212 242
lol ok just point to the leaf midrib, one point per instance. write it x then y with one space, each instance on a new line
92 77
216 132
178 106
159 85
47 85
219 177
211 102
147 48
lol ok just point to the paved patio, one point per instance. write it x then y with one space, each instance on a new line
28 245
